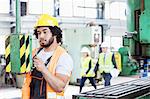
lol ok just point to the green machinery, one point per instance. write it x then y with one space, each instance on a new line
137 41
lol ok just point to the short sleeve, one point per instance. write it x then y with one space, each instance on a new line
65 64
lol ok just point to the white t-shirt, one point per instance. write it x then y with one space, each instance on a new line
64 64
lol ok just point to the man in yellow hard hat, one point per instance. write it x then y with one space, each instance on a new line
52 64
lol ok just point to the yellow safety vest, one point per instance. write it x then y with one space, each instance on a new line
118 61
85 66
51 94
105 65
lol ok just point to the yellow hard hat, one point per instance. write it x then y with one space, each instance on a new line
46 20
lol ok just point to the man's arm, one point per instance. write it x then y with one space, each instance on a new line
114 61
96 66
57 82
89 67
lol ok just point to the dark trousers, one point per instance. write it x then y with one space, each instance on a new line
83 79
107 77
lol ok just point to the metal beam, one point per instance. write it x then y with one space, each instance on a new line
18 24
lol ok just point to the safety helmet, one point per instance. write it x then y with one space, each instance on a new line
46 20
105 44
85 49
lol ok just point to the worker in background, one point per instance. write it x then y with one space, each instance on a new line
52 64
118 60
117 56
106 62
87 68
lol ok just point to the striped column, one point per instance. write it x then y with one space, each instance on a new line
7 54
18 53
22 53
28 53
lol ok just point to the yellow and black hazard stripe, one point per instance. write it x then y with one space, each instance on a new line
28 53
20 47
7 54
22 54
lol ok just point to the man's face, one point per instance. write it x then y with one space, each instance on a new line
45 36
104 49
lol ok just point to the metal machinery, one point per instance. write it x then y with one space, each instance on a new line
137 41
76 38
136 89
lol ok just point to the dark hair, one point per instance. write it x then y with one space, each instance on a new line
56 31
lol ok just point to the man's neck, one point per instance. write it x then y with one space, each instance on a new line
51 48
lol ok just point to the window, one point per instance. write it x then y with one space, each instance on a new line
85 8
4 6
41 7
117 10
66 8
56 8
23 7
90 9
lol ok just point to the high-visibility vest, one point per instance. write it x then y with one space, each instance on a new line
105 65
85 66
51 94
118 61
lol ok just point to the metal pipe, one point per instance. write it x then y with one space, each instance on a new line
54 8
142 5
18 25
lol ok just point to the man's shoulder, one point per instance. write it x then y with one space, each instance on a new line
65 58
66 55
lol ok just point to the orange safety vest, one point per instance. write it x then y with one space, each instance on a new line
52 66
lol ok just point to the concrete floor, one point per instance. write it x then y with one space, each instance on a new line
13 93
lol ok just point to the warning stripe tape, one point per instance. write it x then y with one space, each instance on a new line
22 53
7 54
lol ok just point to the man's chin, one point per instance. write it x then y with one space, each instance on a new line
44 46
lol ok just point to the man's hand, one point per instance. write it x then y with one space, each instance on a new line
39 64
